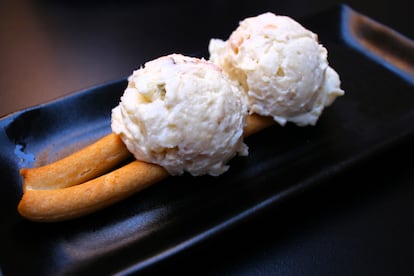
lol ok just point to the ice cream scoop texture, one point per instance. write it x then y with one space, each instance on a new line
281 66
183 114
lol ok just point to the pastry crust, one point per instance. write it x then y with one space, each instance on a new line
75 201
83 165
256 123
76 185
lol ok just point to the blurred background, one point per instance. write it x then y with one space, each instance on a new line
53 48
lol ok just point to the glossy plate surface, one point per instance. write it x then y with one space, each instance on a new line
376 66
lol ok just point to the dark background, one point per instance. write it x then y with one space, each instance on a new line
54 48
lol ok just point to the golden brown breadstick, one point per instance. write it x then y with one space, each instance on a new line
81 166
48 201
71 202
256 123
96 159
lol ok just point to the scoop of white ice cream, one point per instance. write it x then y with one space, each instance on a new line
183 114
281 66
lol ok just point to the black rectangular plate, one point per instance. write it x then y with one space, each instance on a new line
376 114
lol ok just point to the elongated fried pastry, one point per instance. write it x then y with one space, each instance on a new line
48 200
81 166
75 201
